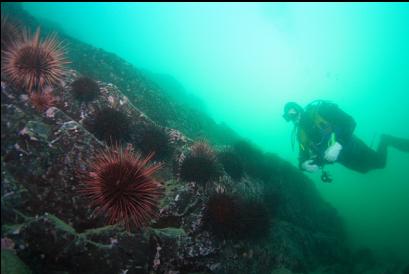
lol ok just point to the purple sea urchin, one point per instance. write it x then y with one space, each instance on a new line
111 125
200 165
85 89
155 139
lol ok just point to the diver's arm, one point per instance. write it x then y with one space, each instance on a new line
304 153
306 161
343 125
332 152
309 166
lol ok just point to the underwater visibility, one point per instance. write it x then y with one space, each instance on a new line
198 138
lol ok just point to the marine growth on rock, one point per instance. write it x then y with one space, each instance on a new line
231 164
231 216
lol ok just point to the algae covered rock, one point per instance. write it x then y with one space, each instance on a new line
48 244
11 264
55 229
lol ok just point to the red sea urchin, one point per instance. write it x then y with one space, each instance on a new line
34 64
41 101
120 186
222 214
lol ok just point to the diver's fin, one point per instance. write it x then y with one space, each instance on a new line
401 144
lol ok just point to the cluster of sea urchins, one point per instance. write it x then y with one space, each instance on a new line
33 64
200 165
120 186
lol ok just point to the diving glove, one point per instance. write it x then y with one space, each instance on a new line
309 166
332 153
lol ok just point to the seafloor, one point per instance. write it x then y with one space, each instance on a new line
277 222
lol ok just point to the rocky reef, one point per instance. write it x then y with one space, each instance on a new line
279 222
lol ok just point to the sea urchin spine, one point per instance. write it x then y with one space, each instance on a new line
34 64
120 186
10 32
43 100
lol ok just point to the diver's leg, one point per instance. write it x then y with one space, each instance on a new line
356 155
382 150
398 143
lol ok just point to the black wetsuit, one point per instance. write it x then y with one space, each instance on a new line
323 123
357 156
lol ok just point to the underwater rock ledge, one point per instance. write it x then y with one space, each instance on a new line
53 229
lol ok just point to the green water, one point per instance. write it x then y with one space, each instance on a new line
246 60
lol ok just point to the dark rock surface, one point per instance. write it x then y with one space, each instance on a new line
54 230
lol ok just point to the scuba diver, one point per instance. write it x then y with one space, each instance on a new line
326 135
